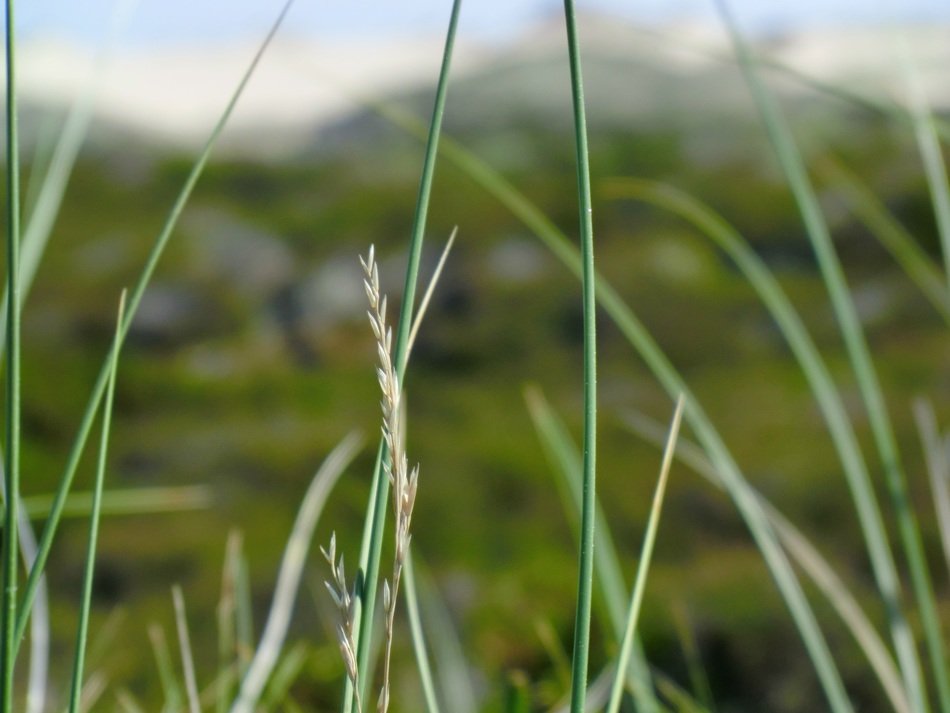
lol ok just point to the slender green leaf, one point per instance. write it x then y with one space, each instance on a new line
371 548
94 517
643 566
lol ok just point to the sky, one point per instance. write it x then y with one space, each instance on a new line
164 22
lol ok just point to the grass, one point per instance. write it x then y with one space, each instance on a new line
612 662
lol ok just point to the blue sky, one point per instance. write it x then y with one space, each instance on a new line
172 21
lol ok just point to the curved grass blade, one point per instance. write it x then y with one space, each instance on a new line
808 558
585 575
567 464
456 685
643 566
895 238
418 637
638 336
135 298
291 568
938 468
371 548
935 169
50 190
822 386
859 355
94 517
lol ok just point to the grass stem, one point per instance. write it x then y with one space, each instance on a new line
588 512
8 616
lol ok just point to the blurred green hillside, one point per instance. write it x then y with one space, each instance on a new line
251 358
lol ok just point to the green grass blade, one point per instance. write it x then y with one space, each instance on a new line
86 601
698 678
267 652
928 143
376 513
227 625
823 388
895 238
567 464
8 617
418 637
285 673
938 468
51 183
793 167
166 672
184 647
135 298
123 501
638 336
808 558
643 566
585 576
455 683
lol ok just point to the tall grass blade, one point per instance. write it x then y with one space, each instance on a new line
455 682
166 671
51 188
371 548
12 381
418 637
585 576
567 463
285 673
859 355
895 238
823 388
227 625
430 289
291 569
935 169
86 601
698 678
40 622
135 297
808 558
938 468
638 336
643 566
184 646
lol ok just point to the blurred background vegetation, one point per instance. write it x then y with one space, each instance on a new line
251 358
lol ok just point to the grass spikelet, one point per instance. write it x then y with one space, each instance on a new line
404 482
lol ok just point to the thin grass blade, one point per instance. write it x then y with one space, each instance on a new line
135 297
291 569
184 646
567 464
166 671
800 184
418 637
94 517
646 554
808 558
895 238
585 576
938 468
928 144
371 548
823 388
8 616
